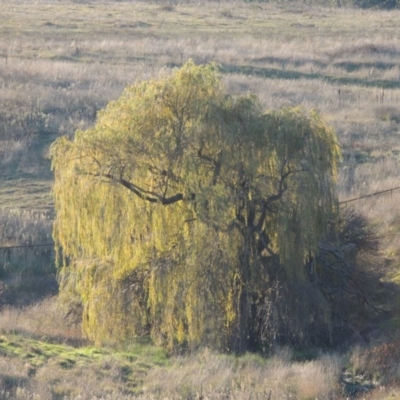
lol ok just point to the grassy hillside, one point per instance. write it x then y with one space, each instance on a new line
62 61
42 356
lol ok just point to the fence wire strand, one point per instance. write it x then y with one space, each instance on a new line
340 203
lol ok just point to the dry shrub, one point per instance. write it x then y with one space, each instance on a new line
46 320
53 382
226 14
382 362
325 374
82 382
219 377
167 7
13 379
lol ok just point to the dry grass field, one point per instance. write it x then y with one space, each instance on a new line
63 60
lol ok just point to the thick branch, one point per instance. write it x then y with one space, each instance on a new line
145 194
282 187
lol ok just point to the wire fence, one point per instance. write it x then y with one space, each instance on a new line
30 259
391 190
27 246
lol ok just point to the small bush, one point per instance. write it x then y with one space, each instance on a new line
167 7
391 114
378 363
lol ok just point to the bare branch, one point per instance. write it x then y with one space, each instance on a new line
142 193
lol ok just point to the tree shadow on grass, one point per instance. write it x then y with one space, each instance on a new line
289 74
9 383
275 73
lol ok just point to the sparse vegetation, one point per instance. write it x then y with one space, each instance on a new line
61 62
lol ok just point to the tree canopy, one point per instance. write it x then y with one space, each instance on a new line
184 211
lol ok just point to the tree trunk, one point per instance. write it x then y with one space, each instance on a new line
240 337
242 334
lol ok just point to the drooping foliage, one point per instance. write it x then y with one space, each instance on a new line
183 211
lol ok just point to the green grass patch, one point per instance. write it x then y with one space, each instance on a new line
130 367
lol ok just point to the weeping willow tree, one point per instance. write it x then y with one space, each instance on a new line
183 207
